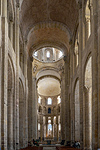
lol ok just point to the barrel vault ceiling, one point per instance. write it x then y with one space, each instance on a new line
48 23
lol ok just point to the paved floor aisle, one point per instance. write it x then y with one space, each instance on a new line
49 148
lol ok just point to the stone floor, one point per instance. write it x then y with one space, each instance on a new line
49 148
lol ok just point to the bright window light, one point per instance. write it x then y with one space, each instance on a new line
35 54
39 126
39 100
49 101
49 121
49 118
59 127
59 99
54 117
49 127
43 119
60 54
48 54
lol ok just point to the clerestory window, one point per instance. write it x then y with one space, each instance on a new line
49 101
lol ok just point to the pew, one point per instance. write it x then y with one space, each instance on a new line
33 148
66 148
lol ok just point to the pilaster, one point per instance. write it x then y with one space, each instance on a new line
98 74
62 107
4 75
26 98
94 77
11 31
17 73
41 130
0 69
71 94
30 100
34 109
10 118
67 101
80 74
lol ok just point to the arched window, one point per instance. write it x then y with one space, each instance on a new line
49 121
54 120
59 99
76 53
49 110
49 101
59 127
35 54
48 54
39 100
87 17
60 54
39 126
49 129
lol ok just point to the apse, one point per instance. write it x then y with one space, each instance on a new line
48 86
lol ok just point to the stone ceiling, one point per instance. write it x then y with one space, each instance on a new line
48 87
34 12
46 23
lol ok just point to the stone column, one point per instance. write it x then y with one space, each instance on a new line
94 77
26 98
62 107
84 33
57 131
34 107
52 131
67 102
84 117
11 31
30 100
71 91
52 125
46 129
87 128
98 74
80 73
0 68
4 76
17 73
10 119
41 130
